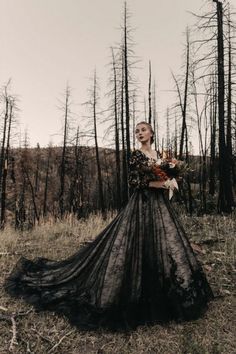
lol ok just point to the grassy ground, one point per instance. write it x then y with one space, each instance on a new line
41 333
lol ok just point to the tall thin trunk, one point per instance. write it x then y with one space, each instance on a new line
2 156
145 109
5 167
204 167
26 173
225 198
134 118
20 214
126 88
167 132
117 142
190 197
124 155
155 120
150 95
46 183
74 195
37 170
63 157
229 105
176 139
99 172
184 106
213 116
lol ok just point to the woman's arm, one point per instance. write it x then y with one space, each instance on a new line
138 177
157 184
139 172
136 180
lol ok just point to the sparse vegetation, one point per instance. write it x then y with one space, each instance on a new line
49 195
45 332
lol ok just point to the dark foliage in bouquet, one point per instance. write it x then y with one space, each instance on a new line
170 168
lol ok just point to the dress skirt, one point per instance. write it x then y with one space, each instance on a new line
139 270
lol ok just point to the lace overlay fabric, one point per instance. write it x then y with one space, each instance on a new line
140 170
140 269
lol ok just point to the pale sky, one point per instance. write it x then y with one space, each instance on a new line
47 43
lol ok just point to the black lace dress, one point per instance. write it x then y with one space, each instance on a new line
140 269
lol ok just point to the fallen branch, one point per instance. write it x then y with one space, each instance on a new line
41 336
11 318
9 253
28 349
211 241
59 342
3 308
13 339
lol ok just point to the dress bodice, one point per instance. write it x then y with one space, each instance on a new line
141 169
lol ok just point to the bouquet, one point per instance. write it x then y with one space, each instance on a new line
167 171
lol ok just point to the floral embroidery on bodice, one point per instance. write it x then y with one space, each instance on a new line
141 169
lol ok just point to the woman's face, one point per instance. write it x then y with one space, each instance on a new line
143 133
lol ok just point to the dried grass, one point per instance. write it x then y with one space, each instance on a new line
47 333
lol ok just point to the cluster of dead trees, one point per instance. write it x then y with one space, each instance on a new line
207 105
9 108
205 109
35 183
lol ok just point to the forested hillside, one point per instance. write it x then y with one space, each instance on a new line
76 177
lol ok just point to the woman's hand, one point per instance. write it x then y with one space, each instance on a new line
157 184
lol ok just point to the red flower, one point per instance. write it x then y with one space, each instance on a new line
162 176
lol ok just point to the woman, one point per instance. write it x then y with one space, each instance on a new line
140 269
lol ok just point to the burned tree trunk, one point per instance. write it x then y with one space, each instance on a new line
213 118
2 157
117 140
35 208
6 157
123 137
134 117
37 169
168 147
155 121
45 197
229 106
225 198
63 157
184 105
99 171
126 85
150 95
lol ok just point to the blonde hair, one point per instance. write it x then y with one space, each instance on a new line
150 128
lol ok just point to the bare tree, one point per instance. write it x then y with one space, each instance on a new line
5 151
116 128
37 169
66 110
225 198
126 81
155 119
183 100
93 104
150 94
45 194
213 121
